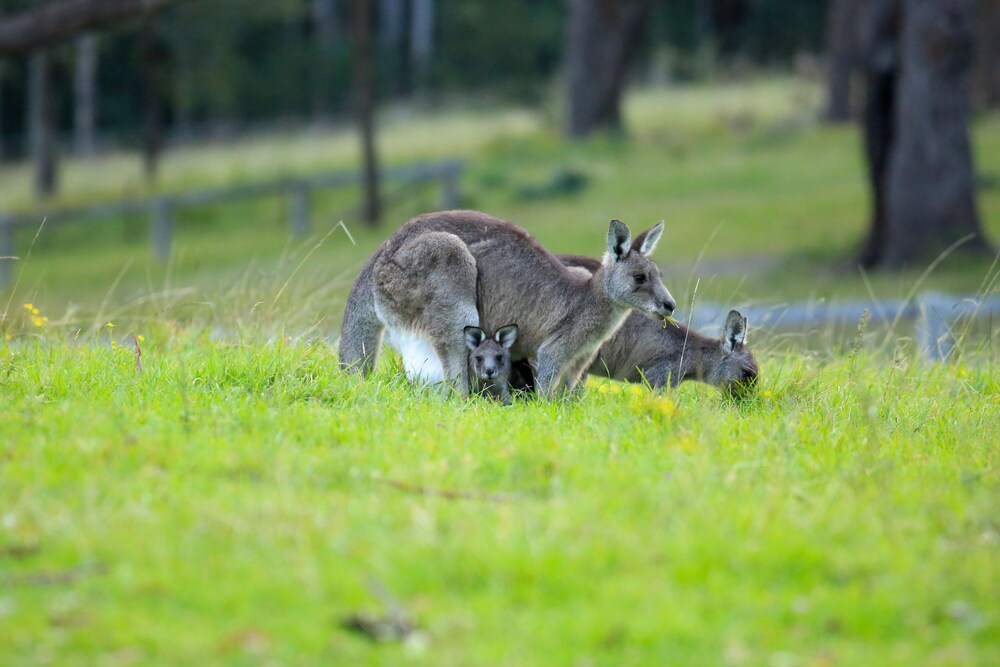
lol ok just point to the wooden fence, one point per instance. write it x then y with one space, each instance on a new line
937 317
160 210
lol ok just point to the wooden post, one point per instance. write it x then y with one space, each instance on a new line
7 258
933 331
298 209
449 189
161 229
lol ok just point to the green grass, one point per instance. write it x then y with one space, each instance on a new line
233 502
239 497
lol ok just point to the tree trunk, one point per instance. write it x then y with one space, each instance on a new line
987 67
879 44
918 55
325 21
602 36
841 56
42 117
421 38
392 15
153 57
1 117
365 101
85 96
392 43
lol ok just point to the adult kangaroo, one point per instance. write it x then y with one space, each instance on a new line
645 351
442 272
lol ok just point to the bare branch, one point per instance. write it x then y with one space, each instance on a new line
55 21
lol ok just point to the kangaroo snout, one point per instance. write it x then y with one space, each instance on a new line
667 307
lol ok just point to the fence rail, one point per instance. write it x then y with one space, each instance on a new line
160 209
935 314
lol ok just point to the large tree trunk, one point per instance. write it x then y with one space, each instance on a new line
986 84
365 102
602 36
917 129
42 123
931 182
841 57
85 96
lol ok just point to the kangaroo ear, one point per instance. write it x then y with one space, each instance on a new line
650 238
474 337
619 241
735 331
506 336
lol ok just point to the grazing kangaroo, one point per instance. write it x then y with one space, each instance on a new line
442 272
489 361
643 350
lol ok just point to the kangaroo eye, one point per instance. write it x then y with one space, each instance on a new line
499 359
479 358
640 278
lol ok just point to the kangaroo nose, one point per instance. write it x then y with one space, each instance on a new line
749 376
490 372
669 307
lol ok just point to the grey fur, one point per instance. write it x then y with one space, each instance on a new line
489 361
643 350
441 272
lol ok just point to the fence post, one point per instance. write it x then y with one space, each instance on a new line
161 228
933 330
7 258
449 188
298 209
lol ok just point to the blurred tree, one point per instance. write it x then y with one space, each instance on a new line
918 55
85 96
41 115
841 58
2 144
154 56
987 68
325 21
364 92
601 39
421 39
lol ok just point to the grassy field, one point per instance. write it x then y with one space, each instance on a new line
235 502
772 203
229 497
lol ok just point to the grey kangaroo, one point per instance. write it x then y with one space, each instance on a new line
442 272
643 350
489 361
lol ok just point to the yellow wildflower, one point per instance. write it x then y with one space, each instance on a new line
40 321
656 406
141 338
29 307
109 325
765 394
636 390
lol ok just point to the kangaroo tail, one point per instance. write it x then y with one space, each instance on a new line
361 334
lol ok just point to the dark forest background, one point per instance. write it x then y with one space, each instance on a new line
233 63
